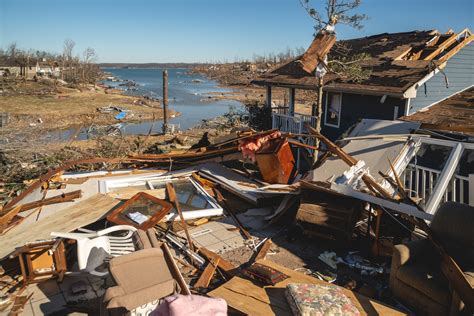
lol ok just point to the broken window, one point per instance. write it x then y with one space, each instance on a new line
195 202
333 109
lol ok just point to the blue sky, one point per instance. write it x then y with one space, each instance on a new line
203 30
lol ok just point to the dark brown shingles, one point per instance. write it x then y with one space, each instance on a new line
388 75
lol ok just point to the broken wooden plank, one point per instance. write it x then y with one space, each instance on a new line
206 276
457 48
441 47
6 218
316 52
173 199
19 304
64 197
223 264
351 161
263 251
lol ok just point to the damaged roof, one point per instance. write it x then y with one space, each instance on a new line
397 62
454 114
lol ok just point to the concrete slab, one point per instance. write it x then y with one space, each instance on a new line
50 305
224 235
219 247
206 240
43 290
235 242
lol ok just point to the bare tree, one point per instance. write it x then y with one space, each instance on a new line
342 63
68 48
335 11
89 56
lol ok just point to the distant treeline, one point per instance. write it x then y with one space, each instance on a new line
148 65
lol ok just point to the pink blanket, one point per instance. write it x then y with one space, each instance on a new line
185 305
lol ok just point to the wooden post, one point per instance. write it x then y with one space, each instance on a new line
165 101
269 97
291 102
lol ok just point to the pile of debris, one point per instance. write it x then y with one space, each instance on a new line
188 232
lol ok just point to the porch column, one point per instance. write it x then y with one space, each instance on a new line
291 101
269 97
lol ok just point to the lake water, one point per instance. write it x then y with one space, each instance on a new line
187 94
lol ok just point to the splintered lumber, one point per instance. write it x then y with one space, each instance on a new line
263 251
316 52
78 215
206 276
6 218
184 156
228 268
64 197
221 200
173 199
351 161
19 304
47 176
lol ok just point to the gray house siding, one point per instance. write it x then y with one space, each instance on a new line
460 73
355 107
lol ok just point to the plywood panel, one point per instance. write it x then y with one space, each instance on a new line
66 220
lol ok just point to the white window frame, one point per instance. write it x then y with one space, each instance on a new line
106 185
326 110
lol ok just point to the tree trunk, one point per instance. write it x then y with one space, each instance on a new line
319 115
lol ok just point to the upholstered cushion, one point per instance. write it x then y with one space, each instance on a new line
426 280
143 296
141 240
140 269
452 225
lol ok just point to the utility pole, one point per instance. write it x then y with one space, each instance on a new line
165 101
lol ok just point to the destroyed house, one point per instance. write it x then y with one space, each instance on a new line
409 72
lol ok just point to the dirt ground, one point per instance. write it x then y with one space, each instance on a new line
35 104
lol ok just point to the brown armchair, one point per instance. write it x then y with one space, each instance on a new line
416 278
142 278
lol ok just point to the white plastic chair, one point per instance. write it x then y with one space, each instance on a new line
114 246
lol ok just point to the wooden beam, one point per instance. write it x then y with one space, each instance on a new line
228 268
442 47
319 48
65 197
206 276
173 199
351 161
7 218
456 49
263 251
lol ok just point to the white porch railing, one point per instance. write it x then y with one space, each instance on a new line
292 124
420 181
